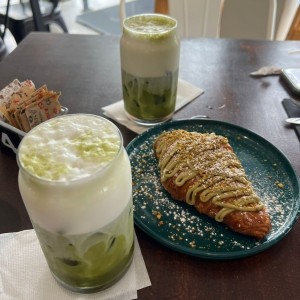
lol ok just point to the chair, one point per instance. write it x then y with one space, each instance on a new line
3 50
35 15
245 19
288 17
256 19
249 19
196 18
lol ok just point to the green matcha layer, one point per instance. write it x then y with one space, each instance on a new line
150 98
89 261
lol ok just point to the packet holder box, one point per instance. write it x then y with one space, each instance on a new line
11 136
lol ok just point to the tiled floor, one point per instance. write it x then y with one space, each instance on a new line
70 10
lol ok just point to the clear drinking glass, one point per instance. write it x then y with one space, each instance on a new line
149 50
75 181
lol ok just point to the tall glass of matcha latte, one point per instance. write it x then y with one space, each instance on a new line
75 181
149 50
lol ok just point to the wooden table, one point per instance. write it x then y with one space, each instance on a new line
86 69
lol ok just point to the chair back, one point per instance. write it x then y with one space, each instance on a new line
249 19
245 19
3 50
122 12
288 14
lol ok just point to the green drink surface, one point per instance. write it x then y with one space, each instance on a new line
150 98
93 260
151 26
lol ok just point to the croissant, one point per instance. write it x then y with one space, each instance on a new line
202 170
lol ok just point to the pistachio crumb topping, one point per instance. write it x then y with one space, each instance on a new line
42 166
89 145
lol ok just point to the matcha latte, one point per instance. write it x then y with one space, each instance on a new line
75 181
149 50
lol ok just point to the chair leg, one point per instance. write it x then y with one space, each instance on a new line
3 50
37 16
17 32
58 21
62 24
85 5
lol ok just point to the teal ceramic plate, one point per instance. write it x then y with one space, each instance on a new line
180 227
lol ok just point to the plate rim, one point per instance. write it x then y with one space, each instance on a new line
219 255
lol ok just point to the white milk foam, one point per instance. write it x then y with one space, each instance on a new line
79 145
144 57
67 149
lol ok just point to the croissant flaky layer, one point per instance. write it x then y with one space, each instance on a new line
202 170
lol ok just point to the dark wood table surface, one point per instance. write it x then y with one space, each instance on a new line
86 69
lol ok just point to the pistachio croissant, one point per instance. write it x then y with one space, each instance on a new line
202 170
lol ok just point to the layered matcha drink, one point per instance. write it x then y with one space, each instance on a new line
149 51
75 181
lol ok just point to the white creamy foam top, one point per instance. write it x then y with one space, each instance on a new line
69 148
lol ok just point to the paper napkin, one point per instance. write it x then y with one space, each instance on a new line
186 92
24 273
266 71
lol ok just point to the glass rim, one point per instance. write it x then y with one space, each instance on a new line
76 180
162 16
